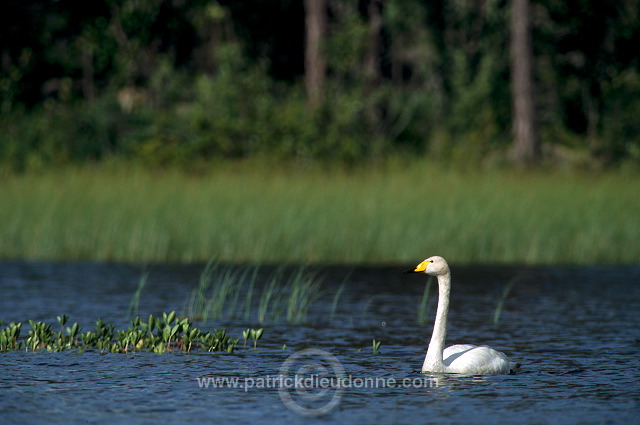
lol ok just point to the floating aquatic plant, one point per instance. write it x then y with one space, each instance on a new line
157 334
375 345
9 337
256 334
246 335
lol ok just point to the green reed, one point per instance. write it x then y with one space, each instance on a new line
502 300
303 290
198 296
249 297
135 300
337 295
268 294
424 301
286 294
259 213
218 291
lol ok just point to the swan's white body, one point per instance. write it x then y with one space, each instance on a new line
464 359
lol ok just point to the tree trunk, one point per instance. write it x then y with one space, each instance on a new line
372 62
88 85
372 67
314 60
526 147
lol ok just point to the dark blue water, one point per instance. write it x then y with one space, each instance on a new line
574 329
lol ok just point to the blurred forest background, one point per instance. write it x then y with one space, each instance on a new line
179 82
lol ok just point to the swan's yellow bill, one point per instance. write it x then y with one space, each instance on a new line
420 267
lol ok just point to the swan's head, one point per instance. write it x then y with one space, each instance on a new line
434 266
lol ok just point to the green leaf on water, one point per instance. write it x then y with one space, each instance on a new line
375 345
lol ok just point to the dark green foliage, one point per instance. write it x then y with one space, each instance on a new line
179 83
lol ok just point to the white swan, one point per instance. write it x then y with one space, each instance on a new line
465 359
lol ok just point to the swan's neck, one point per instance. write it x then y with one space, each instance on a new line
433 360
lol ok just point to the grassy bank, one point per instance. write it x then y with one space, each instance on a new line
248 213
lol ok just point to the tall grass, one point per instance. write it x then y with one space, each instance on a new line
257 214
